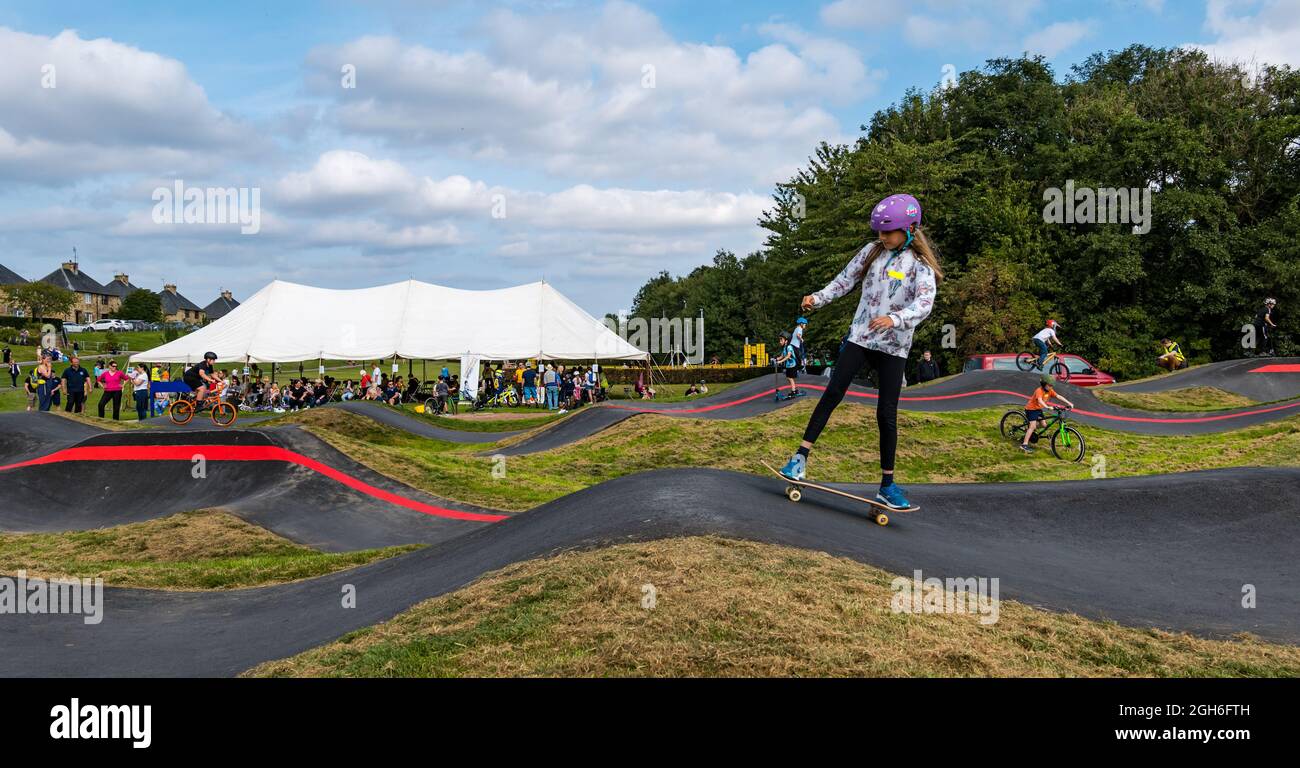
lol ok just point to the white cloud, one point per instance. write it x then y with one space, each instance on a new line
1058 37
1258 32
566 94
112 108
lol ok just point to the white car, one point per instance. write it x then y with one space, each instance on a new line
73 328
109 325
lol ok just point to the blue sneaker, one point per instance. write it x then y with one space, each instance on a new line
892 496
794 468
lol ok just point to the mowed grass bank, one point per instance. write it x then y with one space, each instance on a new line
207 549
730 608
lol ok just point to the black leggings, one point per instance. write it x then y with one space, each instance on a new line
889 372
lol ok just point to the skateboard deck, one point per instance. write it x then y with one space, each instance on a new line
793 491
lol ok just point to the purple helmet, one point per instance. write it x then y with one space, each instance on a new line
895 212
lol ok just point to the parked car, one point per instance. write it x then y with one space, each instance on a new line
1082 372
109 325
73 328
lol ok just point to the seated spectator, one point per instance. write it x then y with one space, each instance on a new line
392 394
349 392
297 395
320 393
274 399
412 390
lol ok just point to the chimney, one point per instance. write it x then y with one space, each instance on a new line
123 279
227 296
70 266
169 288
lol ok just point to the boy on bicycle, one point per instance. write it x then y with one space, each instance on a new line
1034 408
1044 339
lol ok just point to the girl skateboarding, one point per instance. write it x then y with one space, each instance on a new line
899 274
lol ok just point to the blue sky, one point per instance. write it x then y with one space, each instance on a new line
485 144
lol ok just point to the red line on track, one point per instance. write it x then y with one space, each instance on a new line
243 453
1277 368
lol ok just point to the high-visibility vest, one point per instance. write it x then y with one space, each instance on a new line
1173 348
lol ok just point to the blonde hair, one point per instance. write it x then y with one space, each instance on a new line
923 249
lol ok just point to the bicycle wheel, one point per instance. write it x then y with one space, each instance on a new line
181 412
431 407
1027 361
224 414
1013 425
1069 447
1060 371
512 399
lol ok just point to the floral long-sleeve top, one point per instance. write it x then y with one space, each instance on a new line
900 285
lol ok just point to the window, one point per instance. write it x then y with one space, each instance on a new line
1075 364
1004 364
87 298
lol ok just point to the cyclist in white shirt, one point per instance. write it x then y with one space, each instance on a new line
1044 339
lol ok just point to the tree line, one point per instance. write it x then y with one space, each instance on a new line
1214 146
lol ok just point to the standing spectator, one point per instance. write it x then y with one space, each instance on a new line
927 369
376 375
112 382
1263 328
444 373
46 384
552 384
140 390
442 392
75 383
29 388
530 385
8 357
14 371
453 393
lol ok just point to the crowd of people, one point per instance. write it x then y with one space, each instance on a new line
549 385
544 385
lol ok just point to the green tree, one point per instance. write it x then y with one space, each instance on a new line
140 304
40 299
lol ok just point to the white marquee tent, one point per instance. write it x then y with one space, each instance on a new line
287 322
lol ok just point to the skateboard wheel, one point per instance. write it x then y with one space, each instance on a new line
794 493
882 518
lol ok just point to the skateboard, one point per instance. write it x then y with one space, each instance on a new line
781 396
794 492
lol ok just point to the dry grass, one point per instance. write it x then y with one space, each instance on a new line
730 608
208 549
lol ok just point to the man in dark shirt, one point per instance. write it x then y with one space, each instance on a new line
8 356
1264 324
927 369
74 386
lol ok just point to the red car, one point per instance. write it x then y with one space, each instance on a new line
1082 372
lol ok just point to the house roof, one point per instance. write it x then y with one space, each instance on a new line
173 303
77 281
10 277
119 288
221 306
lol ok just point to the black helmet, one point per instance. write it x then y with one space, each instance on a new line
209 355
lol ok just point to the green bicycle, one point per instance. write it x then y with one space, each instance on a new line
1067 442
